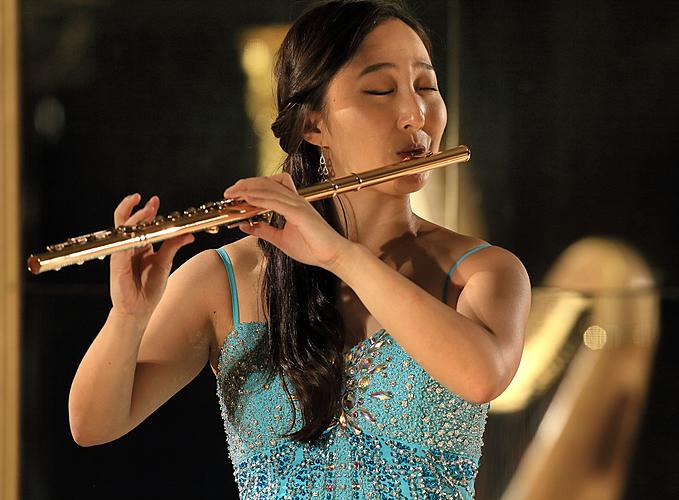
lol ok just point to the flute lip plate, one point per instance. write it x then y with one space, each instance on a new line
416 156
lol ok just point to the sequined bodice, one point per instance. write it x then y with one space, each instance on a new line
400 434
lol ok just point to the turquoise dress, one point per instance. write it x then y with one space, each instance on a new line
399 434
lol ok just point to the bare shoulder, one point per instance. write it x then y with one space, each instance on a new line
494 288
451 246
246 258
247 252
206 269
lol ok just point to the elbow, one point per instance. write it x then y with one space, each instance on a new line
489 385
77 422
479 387
85 431
82 435
81 438
85 437
79 433
482 394
493 378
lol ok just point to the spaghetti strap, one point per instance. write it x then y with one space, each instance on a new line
452 269
232 283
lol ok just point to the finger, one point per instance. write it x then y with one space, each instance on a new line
285 196
122 260
146 213
282 205
274 182
124 208
261 230
236 186
169 249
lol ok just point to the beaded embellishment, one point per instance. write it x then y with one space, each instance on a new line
359 366
399 433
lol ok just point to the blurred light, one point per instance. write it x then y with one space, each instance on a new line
258 45
595 337
262 122
49 118
256 57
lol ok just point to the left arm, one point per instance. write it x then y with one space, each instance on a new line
474 351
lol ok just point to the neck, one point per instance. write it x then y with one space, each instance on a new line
374 218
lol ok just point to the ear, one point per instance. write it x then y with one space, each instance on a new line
313 128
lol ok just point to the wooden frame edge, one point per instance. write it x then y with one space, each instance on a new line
9 251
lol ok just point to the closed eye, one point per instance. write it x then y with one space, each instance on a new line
387 92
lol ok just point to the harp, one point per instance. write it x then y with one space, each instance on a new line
565 427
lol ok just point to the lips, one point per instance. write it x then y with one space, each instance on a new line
412 151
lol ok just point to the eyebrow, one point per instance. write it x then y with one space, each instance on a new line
379 66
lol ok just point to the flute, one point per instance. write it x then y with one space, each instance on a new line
210 216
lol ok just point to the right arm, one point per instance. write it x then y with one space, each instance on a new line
155 341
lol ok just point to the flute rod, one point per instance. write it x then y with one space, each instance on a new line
211 216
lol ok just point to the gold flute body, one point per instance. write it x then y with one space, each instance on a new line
210 216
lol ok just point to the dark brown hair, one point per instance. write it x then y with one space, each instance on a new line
305 331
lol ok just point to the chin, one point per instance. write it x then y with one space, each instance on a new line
413 182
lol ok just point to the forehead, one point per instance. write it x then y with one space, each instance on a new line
391 41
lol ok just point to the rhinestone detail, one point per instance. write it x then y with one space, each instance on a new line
399 433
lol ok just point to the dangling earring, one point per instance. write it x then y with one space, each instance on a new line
322 168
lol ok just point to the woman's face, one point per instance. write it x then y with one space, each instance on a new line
383 105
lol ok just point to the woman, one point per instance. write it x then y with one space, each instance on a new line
359 352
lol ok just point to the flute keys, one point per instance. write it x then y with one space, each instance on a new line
125 230
100 235
233 201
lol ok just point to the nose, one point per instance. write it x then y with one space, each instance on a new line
411 111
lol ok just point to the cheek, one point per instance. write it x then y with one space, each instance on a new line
359 119
437 120
355 130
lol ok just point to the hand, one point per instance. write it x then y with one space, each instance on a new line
306 236
139 276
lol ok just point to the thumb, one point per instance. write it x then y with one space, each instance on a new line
285 179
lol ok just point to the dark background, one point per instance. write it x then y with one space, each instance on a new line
570 108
